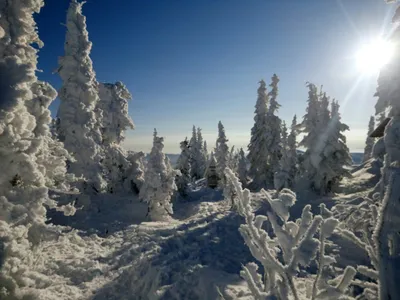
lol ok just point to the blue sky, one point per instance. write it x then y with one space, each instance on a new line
199 61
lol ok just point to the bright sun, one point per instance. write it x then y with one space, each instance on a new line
374 55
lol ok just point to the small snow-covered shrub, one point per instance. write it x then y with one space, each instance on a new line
292 245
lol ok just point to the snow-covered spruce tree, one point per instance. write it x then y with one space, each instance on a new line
202 157
23 188
233 159
194 155
274 125
242 168
79 120
51 155
134 174
369 142
337 151
292 152
311 129
282 176
205 152
387 239
159 183
113 103
221 152
292 245
183 165
327 156
257 148
211 174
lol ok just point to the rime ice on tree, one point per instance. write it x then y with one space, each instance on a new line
79 120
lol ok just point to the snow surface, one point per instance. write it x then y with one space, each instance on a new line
112 252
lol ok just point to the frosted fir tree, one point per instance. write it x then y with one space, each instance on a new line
205 152
292 152
211 174
116 120
386 234
23 190
114 99
282 176
183 165
221 152
233 160
274 125
289 246
202 156
313 133
194 155
257 148
79 120
159 183
242 169
369 142
134 174
51 156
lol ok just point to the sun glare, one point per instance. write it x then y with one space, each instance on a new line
373 56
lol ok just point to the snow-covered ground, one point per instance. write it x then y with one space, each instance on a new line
111 252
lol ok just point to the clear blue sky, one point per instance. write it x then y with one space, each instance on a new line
199 61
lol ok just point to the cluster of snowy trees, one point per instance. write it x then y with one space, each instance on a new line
272 153
80 150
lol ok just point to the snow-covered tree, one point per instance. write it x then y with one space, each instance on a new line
386 235
282 176
369 143
23 190
159 183
327 157
79 119
202 157
183 165
292 244
134 174
292 152
221 151
114 98
51 155
258 151
242 168
205 151
194 155
113 103
274 145
233 159
211 174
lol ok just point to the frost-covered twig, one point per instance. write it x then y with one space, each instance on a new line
296 241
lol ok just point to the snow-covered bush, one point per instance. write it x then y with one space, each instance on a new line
159 183
79 119
292 245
